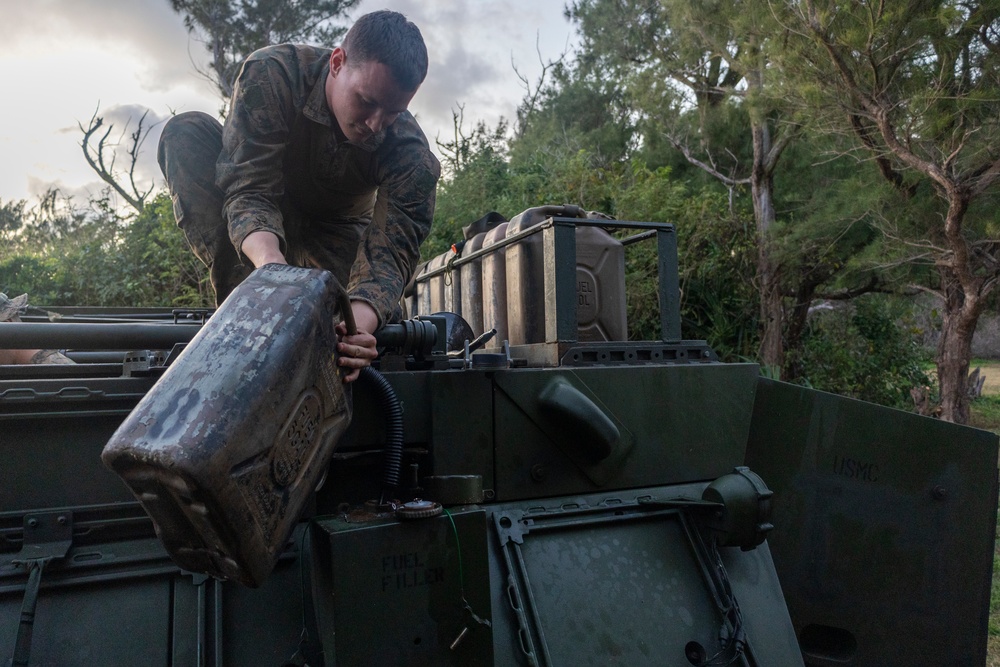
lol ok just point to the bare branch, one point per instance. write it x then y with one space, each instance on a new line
102 157
529 104
709 169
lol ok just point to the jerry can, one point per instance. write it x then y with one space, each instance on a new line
422 291
600 280
495 284
470 277
452 285
226 449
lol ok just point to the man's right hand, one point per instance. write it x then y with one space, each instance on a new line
357 350
262 248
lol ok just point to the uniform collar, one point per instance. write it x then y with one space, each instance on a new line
316 108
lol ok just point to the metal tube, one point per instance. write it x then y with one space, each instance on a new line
30 335
535 229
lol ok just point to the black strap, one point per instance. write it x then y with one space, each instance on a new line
310 648
22 646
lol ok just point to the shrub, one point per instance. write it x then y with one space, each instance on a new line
861 350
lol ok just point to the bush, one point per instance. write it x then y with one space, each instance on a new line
93 257
862 351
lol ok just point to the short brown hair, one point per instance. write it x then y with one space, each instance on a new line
387 37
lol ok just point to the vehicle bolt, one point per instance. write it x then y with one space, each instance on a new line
32 523
939 493
539 471
61 520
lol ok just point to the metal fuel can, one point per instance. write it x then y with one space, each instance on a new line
226 449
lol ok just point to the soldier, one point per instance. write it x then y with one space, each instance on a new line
318 164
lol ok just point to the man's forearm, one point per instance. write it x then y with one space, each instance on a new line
263 248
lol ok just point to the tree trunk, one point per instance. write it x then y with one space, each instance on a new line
954 353
964 299
797 319
772 350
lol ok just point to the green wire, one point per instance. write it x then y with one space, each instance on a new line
461 576
458 543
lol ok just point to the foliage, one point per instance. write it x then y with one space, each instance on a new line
862 351
915 85
716 255
12 214
65 255
233 29
475 180
986 413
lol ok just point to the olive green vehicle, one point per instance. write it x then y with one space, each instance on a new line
563 498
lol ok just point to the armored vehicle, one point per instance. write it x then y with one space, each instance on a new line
557 495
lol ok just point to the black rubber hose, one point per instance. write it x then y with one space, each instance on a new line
392 410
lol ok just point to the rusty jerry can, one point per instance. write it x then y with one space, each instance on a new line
227 447
600 280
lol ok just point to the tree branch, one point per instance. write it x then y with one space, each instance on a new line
712 171
96 158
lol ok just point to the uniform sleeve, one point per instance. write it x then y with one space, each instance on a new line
249 169
390 246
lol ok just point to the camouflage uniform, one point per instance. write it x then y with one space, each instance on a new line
281 164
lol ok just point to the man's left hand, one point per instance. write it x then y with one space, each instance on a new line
358 350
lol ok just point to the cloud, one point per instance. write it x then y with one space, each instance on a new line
459 77
79 195
149 33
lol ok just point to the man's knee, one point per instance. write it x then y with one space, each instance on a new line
187 138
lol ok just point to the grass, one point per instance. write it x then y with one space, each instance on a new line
985 412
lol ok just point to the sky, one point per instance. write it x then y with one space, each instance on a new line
62 61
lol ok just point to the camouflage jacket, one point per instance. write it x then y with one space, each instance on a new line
281 140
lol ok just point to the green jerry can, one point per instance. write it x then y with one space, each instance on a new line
226 449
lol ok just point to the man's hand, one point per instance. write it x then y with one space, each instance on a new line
262 248
357 350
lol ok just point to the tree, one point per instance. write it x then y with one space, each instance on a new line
475 179
232 29
12 214
917 84
714 56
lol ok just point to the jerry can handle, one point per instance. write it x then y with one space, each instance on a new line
346 313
